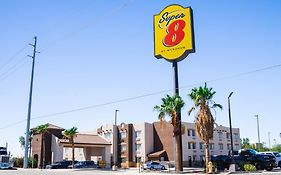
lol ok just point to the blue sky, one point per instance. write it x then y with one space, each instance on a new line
96 52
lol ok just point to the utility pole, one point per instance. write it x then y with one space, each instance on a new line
259 140
27 135
115 140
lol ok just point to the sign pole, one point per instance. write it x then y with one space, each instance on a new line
176 84
173 41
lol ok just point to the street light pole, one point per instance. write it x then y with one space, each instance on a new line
115 136
230 127
258 132
269 145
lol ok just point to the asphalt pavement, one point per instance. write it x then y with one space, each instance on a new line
119 171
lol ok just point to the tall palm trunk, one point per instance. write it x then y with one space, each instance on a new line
30 144
178 154
43 158
207 153
72 145
177 128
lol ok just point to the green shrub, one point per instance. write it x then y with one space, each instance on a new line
249 167
32 163
18 162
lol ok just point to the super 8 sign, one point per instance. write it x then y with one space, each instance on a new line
173 33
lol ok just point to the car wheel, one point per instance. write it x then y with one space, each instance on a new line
258 166
151 168
279 164
163 168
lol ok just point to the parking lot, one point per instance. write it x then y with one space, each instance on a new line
109 172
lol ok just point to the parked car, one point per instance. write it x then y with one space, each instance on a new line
277 157
84 164
261 161
153 166
60 165
222 162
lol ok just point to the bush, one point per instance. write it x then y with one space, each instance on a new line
249 167
18 162
30 164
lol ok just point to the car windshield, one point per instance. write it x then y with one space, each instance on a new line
253 151
3 152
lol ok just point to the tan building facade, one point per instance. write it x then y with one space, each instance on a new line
145 141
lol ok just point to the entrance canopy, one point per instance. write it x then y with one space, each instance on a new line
86 140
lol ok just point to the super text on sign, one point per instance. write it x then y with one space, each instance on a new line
173 33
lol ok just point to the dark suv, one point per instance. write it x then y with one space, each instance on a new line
261 161
246 156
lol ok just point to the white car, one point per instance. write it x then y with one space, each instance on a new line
277 157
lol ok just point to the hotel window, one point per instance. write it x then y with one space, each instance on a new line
236 137
229 146
220 146
188 132
220 135
201 145
193 132
236 147
227 135
138 147
123 135
212 146
123 148
138 135
107 136
191 145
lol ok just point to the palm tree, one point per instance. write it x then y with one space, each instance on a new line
171 106
204 120
22 141
42 129
70 134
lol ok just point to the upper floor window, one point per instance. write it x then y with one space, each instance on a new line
123 135
138 135
107 136
236 137
190 132
191 145
227 135
201 145
138 147
212 146
229 146
123 148
220 146
220 135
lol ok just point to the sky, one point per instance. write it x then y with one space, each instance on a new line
97 56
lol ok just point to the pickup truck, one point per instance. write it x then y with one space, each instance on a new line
246 156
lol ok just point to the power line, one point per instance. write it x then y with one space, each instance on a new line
142 96
12 57
13 69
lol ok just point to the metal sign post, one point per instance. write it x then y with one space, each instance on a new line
173 41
